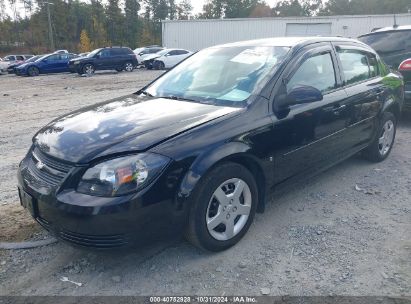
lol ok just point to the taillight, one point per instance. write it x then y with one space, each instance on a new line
405 65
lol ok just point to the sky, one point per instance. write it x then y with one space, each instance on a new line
197 6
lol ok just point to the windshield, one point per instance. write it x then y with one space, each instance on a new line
163 52
93 53
33 59
223 76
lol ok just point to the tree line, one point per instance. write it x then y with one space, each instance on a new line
82 26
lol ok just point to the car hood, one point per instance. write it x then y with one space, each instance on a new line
24 65
126 124
79 58
150 57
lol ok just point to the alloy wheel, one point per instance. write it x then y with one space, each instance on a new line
228 209
88 69
129 67
387 137
33 71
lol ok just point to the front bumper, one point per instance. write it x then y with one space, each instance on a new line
73 68
20 72
98 222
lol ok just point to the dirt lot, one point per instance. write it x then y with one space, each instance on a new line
325 237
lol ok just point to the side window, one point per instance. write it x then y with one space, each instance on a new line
354 65
172 53
317 71
64 57
53 58
373 63
105 53
20 57
10 58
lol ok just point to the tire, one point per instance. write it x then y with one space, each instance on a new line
382 145
119 70
160 65
88 69
33 71
205 207
128 66
148 66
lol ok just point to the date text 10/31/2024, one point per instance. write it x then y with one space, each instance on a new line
203 299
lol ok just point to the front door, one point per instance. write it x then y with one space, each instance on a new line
308 136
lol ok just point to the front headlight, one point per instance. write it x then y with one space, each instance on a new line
122 175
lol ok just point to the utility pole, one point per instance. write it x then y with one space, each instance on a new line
51 39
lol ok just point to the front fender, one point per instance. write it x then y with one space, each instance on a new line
205 161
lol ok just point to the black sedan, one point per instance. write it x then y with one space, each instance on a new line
198 149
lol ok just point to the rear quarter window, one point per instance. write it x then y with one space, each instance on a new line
354 65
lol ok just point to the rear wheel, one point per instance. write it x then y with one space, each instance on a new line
223 209
381 147
88 69
129 66
33 71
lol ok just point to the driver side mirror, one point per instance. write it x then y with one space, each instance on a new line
299 95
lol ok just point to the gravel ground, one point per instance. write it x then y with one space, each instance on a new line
344 232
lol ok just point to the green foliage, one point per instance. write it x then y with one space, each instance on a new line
136 23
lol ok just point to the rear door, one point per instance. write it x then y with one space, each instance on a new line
308 136
365 90
62 63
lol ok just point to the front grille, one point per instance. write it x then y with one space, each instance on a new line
46 169
94 241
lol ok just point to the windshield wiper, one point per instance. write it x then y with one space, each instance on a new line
144 92
178 98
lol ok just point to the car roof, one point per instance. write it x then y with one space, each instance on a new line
288 41
389 29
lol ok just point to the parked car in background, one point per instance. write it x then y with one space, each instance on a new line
11 67
199 148
61 52
170 59
83 54
12 59
393 44
143 52
109 58
50 63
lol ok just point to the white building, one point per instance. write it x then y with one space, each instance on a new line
197 34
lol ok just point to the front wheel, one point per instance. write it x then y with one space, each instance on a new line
160 65
382 145
224 205
33 71
88 69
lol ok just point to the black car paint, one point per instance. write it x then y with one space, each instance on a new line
395 57
276 145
